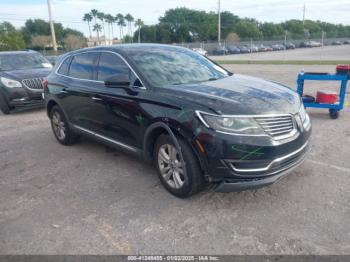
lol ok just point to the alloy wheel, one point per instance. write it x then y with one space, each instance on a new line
59 126
170 166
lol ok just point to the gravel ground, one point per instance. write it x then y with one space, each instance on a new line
317 53
90 199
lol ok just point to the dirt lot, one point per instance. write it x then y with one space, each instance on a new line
315 54
89 199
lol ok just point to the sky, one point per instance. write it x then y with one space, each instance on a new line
70 12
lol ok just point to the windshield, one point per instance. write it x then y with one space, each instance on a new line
10 62
164 67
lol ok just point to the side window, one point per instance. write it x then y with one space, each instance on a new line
82 66
63 70
109 65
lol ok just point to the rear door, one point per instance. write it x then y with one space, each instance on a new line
79 83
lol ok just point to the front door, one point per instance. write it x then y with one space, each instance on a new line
117 114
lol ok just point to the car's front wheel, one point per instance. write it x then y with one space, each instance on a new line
60 127
178 169
4 107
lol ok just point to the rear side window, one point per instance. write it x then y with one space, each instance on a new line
82 66
109 65
64 68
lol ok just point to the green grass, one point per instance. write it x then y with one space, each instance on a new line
283 62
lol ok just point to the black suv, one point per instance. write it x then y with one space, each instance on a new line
21 76
199 123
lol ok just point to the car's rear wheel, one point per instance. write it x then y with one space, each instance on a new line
178 171
60 127
4 106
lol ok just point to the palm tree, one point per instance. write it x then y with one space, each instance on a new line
88 18
121 23
94 13
129 19
101 16
97 28
139 23
110 20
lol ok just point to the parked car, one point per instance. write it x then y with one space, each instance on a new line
289 45
244 49
200 51
254 48
232 49
310 44
52 59
220 50
269 48
346 42
277 47
196 121
336 43
262 48
315 44
21 76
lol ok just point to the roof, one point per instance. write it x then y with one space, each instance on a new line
127 47
17 52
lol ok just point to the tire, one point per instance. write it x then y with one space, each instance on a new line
4 106
169 173
333 113
60 127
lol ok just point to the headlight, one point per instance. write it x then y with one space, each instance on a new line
305 119
231 124
10 83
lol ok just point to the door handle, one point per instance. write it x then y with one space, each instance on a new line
64 91
96 98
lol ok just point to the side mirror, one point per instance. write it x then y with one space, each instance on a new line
118 81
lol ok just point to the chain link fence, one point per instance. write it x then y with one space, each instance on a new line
254 44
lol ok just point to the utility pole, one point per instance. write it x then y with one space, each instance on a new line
322 44
285 45
139 38
219 23
304 14
53 35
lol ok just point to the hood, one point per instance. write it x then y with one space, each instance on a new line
239 94
19 75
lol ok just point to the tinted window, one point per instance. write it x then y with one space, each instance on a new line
65 66
22 61
82 66
109 65
175 66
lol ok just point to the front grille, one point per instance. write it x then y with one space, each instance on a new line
260 168
34 83
276 126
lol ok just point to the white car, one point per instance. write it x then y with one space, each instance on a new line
200 51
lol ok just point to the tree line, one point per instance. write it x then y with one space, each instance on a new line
187 25
36 34
175 26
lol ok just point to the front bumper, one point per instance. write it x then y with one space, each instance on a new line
22 97
295 159
27 102
235 163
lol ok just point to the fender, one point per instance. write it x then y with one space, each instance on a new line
169 130
4 95
49 99
3 99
